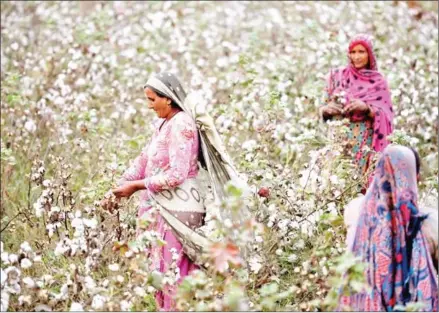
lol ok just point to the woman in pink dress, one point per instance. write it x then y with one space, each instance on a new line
165 174
361 93
170 158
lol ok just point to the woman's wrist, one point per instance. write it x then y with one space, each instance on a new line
139 184
323 114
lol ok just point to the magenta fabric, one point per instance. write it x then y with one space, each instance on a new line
369 86
165 298
390 240
162 258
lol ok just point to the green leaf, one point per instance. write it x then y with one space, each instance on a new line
234 295
161 242
233 190
202 294
156 280
269 289
268 303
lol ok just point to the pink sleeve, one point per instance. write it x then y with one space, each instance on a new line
137 169
182 140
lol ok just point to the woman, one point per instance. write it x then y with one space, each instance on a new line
390 239
165 173
360 93
429 226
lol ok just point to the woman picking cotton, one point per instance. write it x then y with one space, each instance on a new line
360 93
390 238
166 174
429 226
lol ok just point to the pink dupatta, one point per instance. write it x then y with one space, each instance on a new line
369 86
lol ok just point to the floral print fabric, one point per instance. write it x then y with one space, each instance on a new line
390 240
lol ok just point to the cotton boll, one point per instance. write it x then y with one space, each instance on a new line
25 300
98 302
114 267
91 223
125 305
30 126
76 307
29 282
14 46
26 263
255 264
4 301
25 247
3 277
139 291
5 258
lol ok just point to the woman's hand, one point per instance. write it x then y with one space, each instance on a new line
357 106
125 191
329 110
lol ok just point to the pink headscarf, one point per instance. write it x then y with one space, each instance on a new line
369 86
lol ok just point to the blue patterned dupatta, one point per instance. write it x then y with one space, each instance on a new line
390 241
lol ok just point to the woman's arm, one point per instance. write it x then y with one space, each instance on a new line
136 171
182 138
129 181
130 187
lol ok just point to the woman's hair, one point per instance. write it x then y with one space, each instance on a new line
161 95
418 160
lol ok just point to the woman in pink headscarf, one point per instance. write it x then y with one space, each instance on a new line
361 93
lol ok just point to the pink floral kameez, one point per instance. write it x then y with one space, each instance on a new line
167 161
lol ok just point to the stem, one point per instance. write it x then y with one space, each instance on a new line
28 192
45 226
309 175
24 213
47 151
7 224
66 225
327 202
272 246
288 200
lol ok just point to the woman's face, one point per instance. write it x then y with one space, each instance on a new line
359 56
161 105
